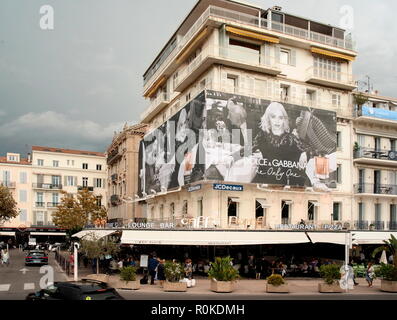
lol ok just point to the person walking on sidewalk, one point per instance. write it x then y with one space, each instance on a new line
153 262
161 272
370 273
5 257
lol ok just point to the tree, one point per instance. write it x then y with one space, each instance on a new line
8 206
360 99
74 212
389 246
94 248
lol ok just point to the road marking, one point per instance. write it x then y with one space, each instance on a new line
5 287
28 286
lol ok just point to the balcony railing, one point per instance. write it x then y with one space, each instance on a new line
377 225
114 177
361 225
8 184
315 74
114 200
377 113
371 153
47 186
246 19
85 187
114 156
40 204
392 225
371 188
52 204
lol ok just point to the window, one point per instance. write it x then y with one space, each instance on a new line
56 180
70 181
161 212
310 97
85 165
231 83
172 210
85 182
232 207
339 174
99 201
98 183
23 177
361 207
12 158
378 212
55 163
284 92
338 140
336 100
23 215
311 210
70 162
23 195
99 167
188 97
392 145
40 162
327 69
285 211
184 207
336 214
200 207
285 56
55 199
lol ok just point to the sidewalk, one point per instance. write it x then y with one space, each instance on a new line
297 286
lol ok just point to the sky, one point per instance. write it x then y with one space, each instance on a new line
74 86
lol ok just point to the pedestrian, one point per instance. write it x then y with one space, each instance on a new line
258 269
153 262
362 257
188 269
160 272
5 257
370 274
93 265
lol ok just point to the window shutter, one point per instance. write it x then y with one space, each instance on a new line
34 217
293 94
250 82
277 53
45 218
293 58
223 80
75 181
65 180
318 97
103 183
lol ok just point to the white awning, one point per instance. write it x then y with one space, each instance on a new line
371 237
263 203
328 237
89 234
7 233
211 238
48 233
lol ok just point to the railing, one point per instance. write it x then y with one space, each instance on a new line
392 225
47 186
64 263
371 188
114 177
161 98
114 199
242 18
378 113
229 53
8 184
40 204
330 75
371 153
361 225
85 188
377 225
112 157
52 204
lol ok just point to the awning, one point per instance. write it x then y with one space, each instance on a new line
188 50
211 238
48 233
7 233
97 234
155 86
328 237
263 203
252 35
332 54
374 237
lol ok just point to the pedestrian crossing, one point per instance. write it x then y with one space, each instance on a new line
10 287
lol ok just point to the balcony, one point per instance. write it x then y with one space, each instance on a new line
52 205
47 186
376 157
156 105
113 156
392 225
376 189
220 16
114 177
8 184
115 200
79 188
376 116
377 225
361 225
329 78
231 56
40 204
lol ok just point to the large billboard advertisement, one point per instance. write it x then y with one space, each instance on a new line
225 137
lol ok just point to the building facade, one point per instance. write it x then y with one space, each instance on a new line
122 164
232 57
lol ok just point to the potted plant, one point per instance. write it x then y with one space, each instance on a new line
331 275
174 273
388 272
222 275
128 279
276 284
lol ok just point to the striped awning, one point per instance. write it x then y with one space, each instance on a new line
188 50
7 233
93 234
251 35
155 86
332 54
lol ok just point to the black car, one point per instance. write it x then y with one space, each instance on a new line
38 257
76 290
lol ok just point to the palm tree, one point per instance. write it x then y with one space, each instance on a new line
389 246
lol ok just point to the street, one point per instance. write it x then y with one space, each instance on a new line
16 280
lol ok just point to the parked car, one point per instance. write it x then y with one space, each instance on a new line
38 257
76 290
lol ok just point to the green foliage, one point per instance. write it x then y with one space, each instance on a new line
356 146
128 273
275 280
8 206
222 270
387 272
330 273
389 246
173 271
360 99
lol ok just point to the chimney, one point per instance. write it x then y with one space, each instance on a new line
277 8
29 157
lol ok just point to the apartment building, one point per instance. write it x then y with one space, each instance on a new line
122 186
375 174
226 49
